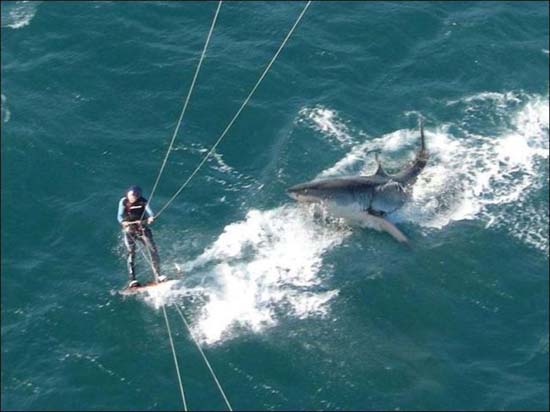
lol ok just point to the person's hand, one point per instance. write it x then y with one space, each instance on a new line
125 224
150 219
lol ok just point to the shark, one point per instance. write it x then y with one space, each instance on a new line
366 200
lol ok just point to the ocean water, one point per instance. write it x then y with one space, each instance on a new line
294 309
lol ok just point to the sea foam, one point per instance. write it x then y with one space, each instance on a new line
19 14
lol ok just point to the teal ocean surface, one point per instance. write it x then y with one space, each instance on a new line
294 309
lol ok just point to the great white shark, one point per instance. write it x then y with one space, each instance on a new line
366 200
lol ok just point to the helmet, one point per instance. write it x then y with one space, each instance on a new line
136 190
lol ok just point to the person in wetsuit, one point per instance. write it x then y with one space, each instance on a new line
134 214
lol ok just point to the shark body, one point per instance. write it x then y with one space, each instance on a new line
366 199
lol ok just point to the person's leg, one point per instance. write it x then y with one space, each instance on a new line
147 238
130 243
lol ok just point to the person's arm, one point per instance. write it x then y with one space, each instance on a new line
120 214
150 214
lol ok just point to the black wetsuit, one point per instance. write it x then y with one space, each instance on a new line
136 212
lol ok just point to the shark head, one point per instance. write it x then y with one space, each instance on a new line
341 190
309 192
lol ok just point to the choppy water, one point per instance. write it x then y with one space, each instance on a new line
294 311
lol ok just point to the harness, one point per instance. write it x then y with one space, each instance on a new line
134 211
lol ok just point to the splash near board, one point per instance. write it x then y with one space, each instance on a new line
147 287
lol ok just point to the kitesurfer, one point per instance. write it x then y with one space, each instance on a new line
135 216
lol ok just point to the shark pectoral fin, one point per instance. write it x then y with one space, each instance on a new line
387 226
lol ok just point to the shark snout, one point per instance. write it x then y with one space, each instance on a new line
292 194
295 191
304 192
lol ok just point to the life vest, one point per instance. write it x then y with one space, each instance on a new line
134 211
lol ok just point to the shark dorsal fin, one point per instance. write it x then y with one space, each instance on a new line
379 170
